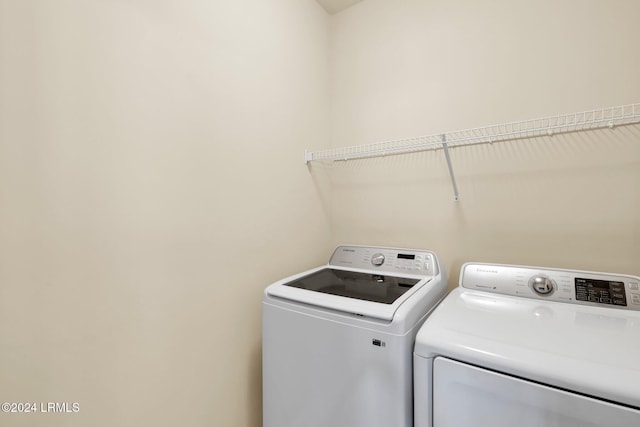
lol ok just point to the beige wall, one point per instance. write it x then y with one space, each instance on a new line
151 186
413 67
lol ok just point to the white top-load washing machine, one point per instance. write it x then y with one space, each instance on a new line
337 340
531 347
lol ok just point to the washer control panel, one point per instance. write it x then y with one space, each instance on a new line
572 286
387 260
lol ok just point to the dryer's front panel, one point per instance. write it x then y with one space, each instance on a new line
465 395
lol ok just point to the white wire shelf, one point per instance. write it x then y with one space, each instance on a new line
546 126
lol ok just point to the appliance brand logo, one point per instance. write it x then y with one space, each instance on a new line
486 270
348 250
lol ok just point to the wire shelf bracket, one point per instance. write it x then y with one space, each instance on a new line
609 117
445 147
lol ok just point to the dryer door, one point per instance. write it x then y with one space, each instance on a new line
465 395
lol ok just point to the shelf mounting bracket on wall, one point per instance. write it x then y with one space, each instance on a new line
445 147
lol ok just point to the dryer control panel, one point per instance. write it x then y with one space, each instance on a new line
571 286
386 260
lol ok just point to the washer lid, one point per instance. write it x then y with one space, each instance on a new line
353 284
364 293
591 350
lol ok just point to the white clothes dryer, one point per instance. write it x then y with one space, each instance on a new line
338 339
531 347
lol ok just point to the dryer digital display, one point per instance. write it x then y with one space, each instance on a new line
600 291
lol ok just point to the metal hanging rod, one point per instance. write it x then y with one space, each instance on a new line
545 126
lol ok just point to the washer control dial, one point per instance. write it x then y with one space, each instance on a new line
377 259
542 285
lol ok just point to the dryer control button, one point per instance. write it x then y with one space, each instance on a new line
542 285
